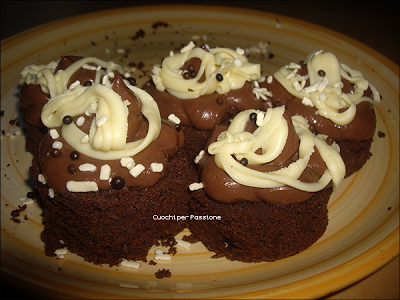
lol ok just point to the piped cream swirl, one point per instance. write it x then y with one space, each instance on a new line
234 68
236 144
325 91
55 83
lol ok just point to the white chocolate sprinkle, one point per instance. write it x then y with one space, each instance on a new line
162 257
81 186
80 121
21 198
101 121
105 172
307 102
260 118
89 67
183 244
41 179
240 51
136 170
87 167
61 252
57 145
158 251
196 186
323 84
174 119
130 264
51 193
199 157
85 139
237 62
125 161
156 167
74 85
27 201
54 134
188 47
269 79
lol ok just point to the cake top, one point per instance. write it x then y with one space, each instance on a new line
110 127
262 154
318 83
221 70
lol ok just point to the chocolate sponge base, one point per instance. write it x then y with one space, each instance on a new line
104 227
257 231
355 154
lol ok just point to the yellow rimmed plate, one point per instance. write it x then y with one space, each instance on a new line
362 234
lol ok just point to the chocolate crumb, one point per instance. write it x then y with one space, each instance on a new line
190 239
152 263
139 34
163 273
381 134
159 24
172 251
2 113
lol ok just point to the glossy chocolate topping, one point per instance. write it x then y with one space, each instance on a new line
203 86
61 166
351 82
208 110
221 187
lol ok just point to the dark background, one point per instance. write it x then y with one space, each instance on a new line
374 23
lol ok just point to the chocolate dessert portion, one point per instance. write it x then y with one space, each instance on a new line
335 100
106 164
269 179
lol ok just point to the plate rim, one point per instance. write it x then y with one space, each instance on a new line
393 67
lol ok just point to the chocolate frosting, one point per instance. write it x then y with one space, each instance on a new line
207 110
57 168
219 186
361 128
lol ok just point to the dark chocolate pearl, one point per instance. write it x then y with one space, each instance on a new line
191 68
244 161
253 117
329 140
301 62
220 101
72 169
30 195
56 152
186 75
74 155
321 73
131 80
118 182
177 127
312 128
193 74
219 77
87 83
67 120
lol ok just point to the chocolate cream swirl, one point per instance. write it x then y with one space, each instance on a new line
269 157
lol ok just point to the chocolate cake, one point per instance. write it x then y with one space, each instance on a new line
268 178
335 99
106 164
